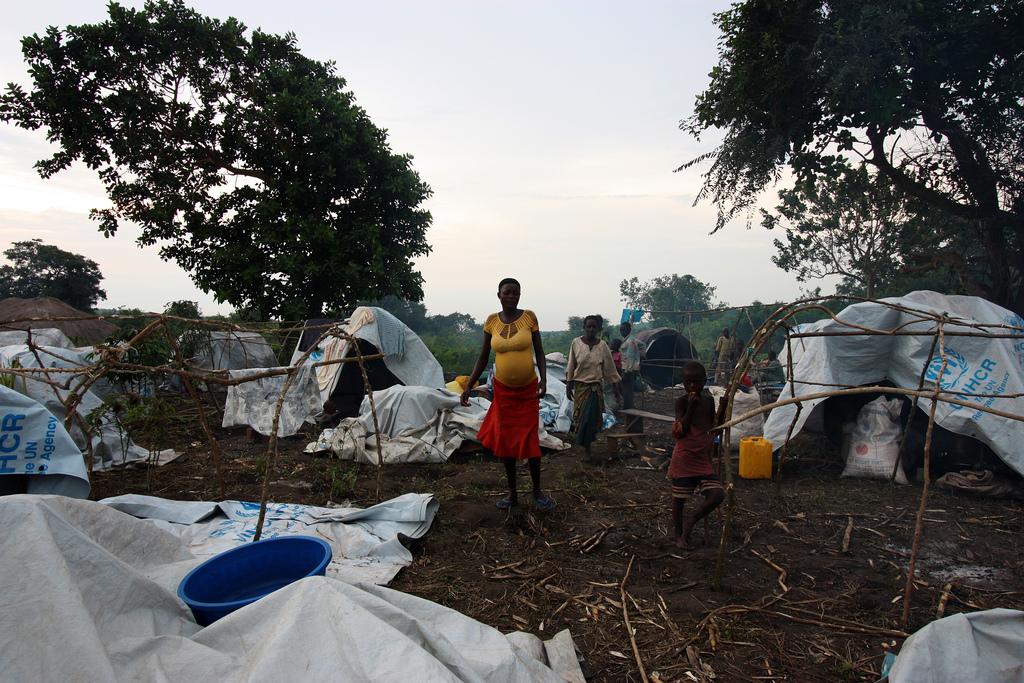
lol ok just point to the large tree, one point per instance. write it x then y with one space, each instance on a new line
247 163
927 93
666 297
38 269
851 223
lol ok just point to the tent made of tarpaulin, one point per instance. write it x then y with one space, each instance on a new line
667 352
407 360
79 326
41 336
981 370
233 350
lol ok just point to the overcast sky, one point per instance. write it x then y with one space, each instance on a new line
547 130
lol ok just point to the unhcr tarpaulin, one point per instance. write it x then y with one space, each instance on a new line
89 595
365 542
34 444
979 368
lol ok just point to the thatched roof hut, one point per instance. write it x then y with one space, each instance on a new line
45 311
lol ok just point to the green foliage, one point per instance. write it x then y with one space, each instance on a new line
343 480
664 295
849 223
38 269
249 164
926 93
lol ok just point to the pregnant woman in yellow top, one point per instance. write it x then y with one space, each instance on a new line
510 428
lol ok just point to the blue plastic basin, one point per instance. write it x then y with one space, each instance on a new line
243 575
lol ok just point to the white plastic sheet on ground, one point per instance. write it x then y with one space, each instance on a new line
33 442
253 403
981 647
365 541
418 424
89 595
111 445
978 367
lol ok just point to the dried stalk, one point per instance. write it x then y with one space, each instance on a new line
847 534
629 628
940 611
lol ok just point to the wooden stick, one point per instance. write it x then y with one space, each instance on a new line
847 534
922 507
940 611
629 628
782 572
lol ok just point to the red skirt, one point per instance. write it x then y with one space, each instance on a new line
510 428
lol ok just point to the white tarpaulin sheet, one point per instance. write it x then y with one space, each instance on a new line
417 424
89 595
234 350
34 443
981 647
980 368
111 445
253 403
46 336
365 541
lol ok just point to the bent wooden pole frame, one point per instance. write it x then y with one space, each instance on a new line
919 522
271 457
373 413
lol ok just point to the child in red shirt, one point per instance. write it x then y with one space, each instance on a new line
691 470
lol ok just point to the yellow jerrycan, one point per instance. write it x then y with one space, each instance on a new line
755 457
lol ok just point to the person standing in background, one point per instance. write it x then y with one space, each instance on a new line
633 352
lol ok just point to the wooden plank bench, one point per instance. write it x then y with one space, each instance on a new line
614 439
646 415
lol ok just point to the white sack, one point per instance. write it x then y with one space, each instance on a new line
977 366
741 403
874 445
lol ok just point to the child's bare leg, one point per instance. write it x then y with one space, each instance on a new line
712 499
678 507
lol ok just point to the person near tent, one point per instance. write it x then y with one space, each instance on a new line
590 364
510 427
633 351
691 469
720 358
616 347
770 371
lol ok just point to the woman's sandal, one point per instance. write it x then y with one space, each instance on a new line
505 503
544 503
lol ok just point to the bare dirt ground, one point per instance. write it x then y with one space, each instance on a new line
794 606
